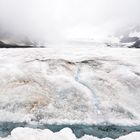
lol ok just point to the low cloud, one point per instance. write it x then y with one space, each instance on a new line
52 21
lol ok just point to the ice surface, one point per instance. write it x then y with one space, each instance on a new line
64 134
87 85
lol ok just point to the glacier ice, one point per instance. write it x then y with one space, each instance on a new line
64 134
70 85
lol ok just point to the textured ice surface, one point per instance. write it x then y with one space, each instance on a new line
86 85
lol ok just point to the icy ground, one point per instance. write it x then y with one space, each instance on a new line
64 134
70 85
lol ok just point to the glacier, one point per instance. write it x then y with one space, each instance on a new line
71 85
64 134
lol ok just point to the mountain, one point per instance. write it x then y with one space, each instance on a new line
131 37
5 45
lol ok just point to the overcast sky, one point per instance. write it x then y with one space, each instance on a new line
58 20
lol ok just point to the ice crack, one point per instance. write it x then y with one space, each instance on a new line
83 83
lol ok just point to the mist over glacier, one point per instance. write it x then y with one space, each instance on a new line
55 21
84 81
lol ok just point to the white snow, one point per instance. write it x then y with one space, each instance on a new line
40 85
135 34
64 134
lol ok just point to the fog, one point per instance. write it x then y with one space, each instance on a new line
53 21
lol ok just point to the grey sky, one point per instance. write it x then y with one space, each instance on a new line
57 20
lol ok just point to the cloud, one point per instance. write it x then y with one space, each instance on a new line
57 20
